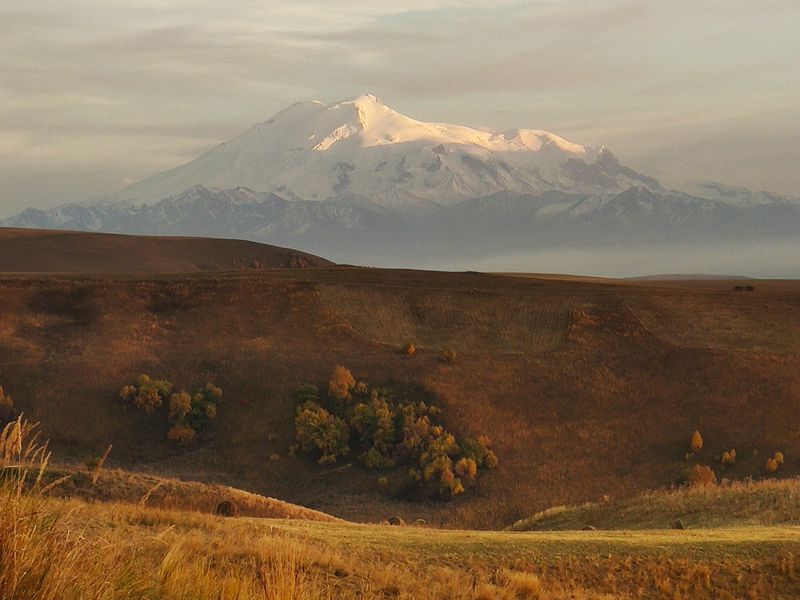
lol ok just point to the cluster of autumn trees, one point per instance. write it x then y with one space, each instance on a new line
188 414
383 432
700 475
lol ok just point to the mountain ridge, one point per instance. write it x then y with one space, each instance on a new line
316 152
358 182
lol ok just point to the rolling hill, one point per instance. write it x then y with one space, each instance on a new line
43 251
589 388
748 504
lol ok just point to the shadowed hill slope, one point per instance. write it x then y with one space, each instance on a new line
42 251
588 388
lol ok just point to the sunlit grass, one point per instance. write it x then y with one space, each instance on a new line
769 502
70 549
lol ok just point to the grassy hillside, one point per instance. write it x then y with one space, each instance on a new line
171 555
54 549
118 485
587 388
735 505
42 251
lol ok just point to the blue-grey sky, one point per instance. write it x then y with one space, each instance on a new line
97 93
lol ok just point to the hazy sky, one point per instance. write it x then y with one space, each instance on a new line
97 93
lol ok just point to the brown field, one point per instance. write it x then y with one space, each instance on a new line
589 388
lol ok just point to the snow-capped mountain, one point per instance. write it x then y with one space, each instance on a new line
363 149
356 181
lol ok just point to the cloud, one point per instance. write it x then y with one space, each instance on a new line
136 84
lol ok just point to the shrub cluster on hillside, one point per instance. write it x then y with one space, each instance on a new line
188 414
702 475
384 431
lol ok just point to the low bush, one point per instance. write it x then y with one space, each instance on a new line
447 355
187 413
341 382
696 442
700 476
729 457
181 433
148 394
318 431
386 428
180 405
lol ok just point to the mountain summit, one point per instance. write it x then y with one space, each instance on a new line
363 149
358 182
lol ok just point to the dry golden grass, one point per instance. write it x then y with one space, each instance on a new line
770 502
53 549
163 492
733 323
438 318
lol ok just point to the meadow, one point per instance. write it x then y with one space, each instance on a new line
54 548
